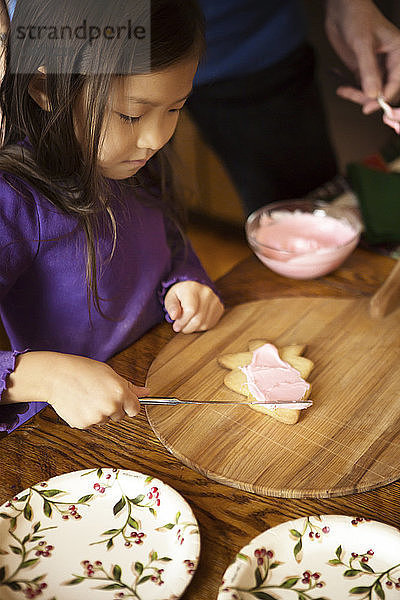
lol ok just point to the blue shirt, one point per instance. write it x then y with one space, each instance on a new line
246 36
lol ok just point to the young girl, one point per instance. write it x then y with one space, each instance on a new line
91 250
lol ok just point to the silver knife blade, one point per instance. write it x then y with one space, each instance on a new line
172 401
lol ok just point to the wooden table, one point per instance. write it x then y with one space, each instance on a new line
228 518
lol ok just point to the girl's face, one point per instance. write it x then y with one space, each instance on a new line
143 114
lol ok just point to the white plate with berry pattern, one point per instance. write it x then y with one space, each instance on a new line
318 558
97 534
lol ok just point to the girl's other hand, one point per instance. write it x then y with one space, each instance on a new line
82 391
192 306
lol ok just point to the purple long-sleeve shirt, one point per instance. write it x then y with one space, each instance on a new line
43 295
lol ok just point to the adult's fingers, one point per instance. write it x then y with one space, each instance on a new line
350 93
392 123
358 97
391 91
370 73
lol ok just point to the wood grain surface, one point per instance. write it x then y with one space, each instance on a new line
348 441
228 517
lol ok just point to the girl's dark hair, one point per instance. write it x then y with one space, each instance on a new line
59 167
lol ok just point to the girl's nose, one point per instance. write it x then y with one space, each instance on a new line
153 134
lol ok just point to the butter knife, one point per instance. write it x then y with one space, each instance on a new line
170 401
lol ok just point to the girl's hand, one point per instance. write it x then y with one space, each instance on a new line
192 306
82 391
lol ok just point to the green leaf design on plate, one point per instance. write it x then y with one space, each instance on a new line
111 586
361 589
263 596
296 533
242 556
139 567
75 581
379 590
339 552
367 568
133 523
29 563
119 506
117 572
289 583
138 499
167 526
47 509
298 548
258 576
28 512
351 572
110 532
14 586
85 498
51 493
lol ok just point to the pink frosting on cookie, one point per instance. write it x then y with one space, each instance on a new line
273 381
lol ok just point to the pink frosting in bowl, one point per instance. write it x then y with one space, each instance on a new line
303 239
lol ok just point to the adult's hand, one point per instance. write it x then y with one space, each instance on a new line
369 45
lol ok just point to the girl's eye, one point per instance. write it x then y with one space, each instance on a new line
175 110
128 119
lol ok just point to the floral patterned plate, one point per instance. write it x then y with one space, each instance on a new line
329 557
97 534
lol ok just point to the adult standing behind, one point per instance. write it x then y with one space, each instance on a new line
257 102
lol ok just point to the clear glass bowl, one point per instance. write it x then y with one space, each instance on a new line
308 260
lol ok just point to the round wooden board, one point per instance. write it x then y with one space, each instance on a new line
348 441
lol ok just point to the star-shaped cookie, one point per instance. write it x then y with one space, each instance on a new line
236 379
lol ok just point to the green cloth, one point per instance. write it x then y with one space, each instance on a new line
378 194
